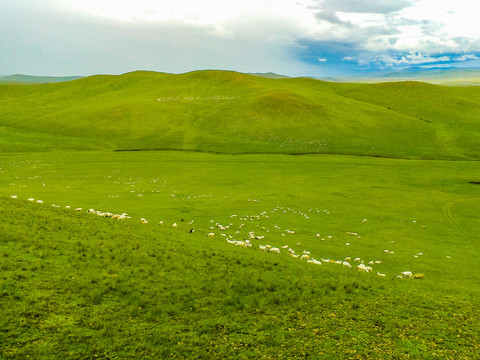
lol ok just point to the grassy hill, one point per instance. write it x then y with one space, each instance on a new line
237 113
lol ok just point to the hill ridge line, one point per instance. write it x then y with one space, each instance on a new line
293 153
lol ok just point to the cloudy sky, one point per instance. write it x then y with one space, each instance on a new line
319 38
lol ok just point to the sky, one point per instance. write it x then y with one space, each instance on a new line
318 38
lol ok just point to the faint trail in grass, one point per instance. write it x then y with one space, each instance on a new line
447 212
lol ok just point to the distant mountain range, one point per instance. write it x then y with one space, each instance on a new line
19 78
450 72
269 75
436 75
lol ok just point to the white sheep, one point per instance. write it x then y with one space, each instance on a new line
174 225
274 250
406 274
14 197
305 257
346 264
418 276
263 248
211 234
380 274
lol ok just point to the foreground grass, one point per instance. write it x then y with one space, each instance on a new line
74 286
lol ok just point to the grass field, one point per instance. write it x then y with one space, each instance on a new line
381 174
75 285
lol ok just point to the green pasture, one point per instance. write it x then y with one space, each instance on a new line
79 285
386 173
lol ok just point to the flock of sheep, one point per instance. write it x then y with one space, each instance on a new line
251 236
197 98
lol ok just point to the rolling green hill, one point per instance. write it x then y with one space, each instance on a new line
231 112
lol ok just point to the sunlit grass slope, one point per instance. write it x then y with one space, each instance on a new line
73 285
231 112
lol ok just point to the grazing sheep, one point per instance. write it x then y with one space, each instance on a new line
14 197
406 274
346 264
263 248
31 199
39 202
242 244
274 250
418 276
174 225
380 274
211 234
361 267
305 257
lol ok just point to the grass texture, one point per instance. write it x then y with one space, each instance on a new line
76 285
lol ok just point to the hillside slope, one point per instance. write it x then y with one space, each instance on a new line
236 113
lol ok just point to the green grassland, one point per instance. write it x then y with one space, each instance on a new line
301 163
231 112
79 286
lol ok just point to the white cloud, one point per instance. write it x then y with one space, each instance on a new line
466 57
410 59
365 6
347 58
322 60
